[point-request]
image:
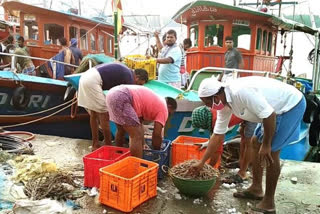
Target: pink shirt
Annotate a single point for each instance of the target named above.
(148, 105)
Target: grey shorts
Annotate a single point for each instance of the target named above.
(249, 128)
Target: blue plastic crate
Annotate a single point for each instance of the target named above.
(161, 156)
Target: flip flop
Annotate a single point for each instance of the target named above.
(236, 179)
(256, 210)
(247, 195)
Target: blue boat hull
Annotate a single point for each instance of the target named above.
(44, 94)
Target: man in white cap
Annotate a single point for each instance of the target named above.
(276, 106)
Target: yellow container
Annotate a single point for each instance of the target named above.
(140, 61)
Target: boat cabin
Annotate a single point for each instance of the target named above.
(42, 28)
(209, 23)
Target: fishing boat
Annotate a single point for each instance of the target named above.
(255, 34)
(43, 104)
(208, 24)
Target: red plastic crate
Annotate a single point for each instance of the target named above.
(183, 149)
(127, 183)
(101, 157)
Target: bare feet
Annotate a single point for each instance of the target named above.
(95, 146)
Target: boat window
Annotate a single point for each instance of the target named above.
(30, 27)
(110, 45)
(241, 36)
(269, 42)
(194, 31)
(73, 32)
(214, 35)
(101, 43)
(83, 39)
(258, 44)
(264, 42)
(52, 33)
(93, 42)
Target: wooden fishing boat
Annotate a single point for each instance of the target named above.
(255, 34)
(43, 104)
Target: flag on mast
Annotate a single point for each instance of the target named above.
(117, 7)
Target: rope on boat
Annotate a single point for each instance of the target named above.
(42, 118)
(39, 112)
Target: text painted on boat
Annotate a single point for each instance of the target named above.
(36, 101)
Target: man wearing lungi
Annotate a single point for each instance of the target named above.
(130, 105)
(90, 96)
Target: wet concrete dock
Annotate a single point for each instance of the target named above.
(302, 197)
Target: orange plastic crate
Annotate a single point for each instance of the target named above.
(127, 183)
(101, 157)
(183, 149)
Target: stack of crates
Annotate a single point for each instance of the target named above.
(140, 61)
(128, 183)
(101, 157)
(183, 149)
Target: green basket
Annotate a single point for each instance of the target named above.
(193, 188)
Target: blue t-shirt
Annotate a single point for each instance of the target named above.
(171, 72)
(113, 74)
(77, 54)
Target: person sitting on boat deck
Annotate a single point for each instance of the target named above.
(276, 106)
(68, 56)
(76, 51)
(131, 105)
(21, 45)
(205, 118)
(23, 65)
(90, 95)
(170, 61)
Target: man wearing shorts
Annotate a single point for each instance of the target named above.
(276, 106)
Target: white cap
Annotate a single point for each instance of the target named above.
(209, 87)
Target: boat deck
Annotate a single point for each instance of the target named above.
(302, 197)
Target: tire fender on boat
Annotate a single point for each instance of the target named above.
(69, 93)
(20, 98)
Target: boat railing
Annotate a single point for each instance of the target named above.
(235, 73)
(54, 62)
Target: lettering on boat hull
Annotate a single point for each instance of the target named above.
(36, 101)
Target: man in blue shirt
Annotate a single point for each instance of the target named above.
(170, 61)
(76, 51)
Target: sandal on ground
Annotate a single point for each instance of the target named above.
(256, 210)
(247, 195)
(236, 179)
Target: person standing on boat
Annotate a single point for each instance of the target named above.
(90, 94)
(68, 56)
(170, 61)
(23, 65)
(76, 51)
(232, 59)
(276, 106)
(130, 105)
(187, 43)
(22, 46)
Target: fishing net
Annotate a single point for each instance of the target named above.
(59, 185)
